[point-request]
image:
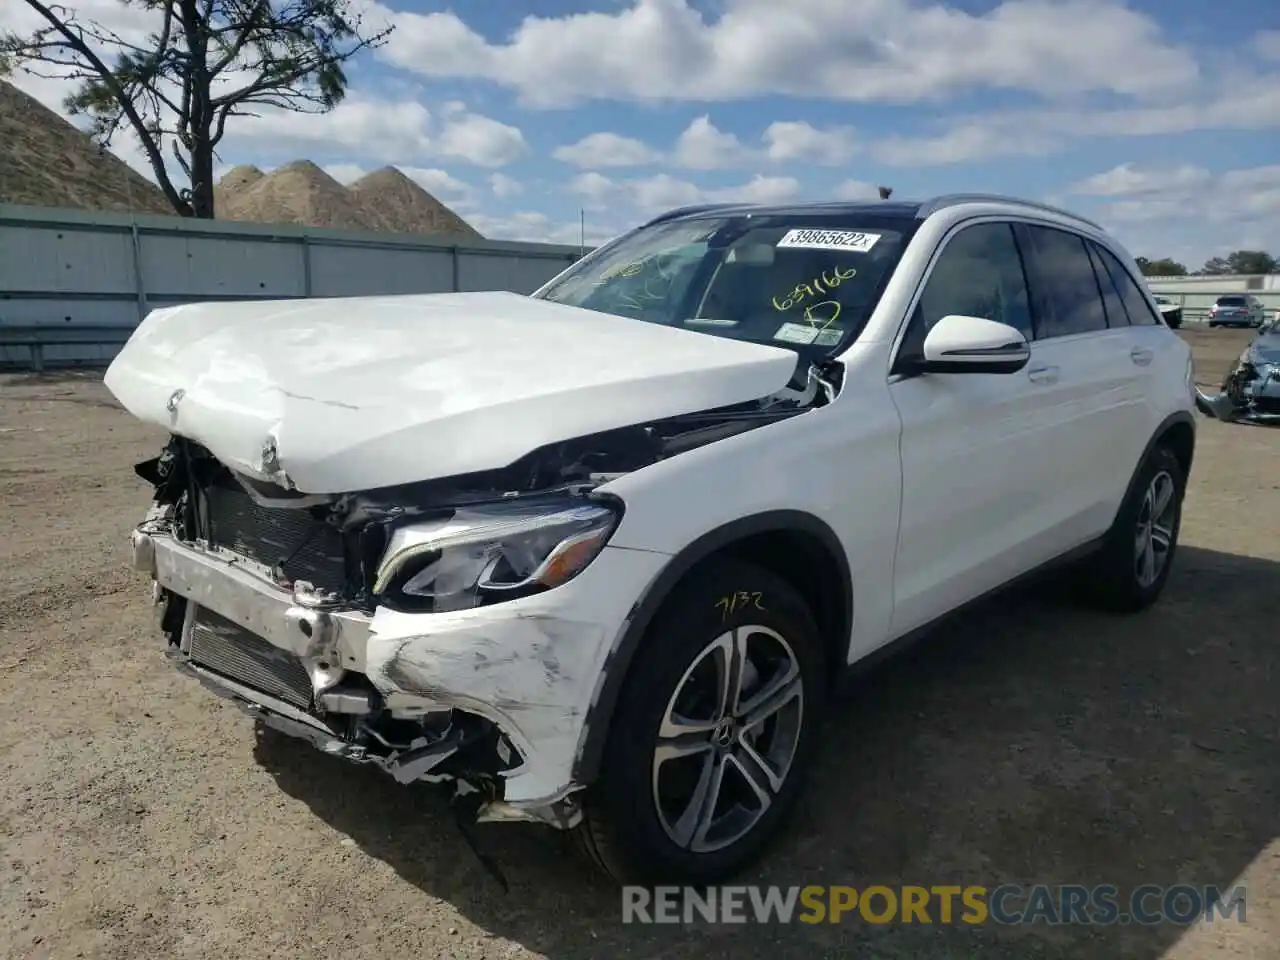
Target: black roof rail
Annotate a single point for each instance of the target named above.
(693, 208)
(933, 205)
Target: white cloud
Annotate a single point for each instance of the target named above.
(1127, 180)
(795, 141)
(1267, 44)
(130, 23)
(390, 131)
(438, 182)
(345, 173)
(759, 189)
(1185, 193)
(481, 140)
(875, 50)
(662, 191)
(504, 186)
(594, 188)
(1239, 102)
(1187, 212)
(703, 146)
(607, 150)
(395, 131)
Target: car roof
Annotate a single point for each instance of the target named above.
(904, 209)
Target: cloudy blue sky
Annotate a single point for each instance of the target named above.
(1160, 118)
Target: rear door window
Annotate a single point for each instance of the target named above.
(1068, 298)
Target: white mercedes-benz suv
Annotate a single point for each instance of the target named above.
(597, 556)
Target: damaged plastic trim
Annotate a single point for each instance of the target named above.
(1250, 393)
(427, 762)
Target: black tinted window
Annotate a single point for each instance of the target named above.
(1117, 315)
(978, 274)
(1067, 291)
(1231, 301)
(1140, 312)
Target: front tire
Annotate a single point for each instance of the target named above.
(1128, 574)
(712, 733)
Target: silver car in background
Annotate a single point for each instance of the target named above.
(1236, 310)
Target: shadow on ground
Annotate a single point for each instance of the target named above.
(1029, 742)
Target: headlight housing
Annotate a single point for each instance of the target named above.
(492, 552)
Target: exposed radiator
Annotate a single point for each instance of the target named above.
(227, 648)
(309, 549)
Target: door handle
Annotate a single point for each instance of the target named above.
(1141, 356)
(1043, 375)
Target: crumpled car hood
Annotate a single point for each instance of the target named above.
(339, 395)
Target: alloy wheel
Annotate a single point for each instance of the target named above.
(1153, 537)
(727, 739)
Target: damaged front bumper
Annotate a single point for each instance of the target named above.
(1245, 400)
(494, 699)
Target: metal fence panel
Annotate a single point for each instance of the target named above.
(354, 271)
(65, 273)
(191, 268)
(65, 261)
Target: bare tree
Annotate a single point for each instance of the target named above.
(206, 62)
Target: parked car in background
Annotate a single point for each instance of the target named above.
(1236, 310)
(596, 556)
(1251, 389)
(1172, 312)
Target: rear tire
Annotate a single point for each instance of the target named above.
(1129, 572)
(730, 626)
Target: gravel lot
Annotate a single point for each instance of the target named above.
(1031, 742)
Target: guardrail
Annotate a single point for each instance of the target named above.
(35, 339)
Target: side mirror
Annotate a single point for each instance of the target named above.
(960, 344)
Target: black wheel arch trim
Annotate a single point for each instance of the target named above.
(1173, 419)
(600, 715)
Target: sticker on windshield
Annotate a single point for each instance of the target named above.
(828, 337)
(849, 240)
(796, 333)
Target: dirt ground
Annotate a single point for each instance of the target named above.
(1032, 742)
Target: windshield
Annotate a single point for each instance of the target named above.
(1231, 301)
(807, 282)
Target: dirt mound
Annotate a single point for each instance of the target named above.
(299, 193)
(397, 204)
(46, 162)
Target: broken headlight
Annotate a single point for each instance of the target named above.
(491, 552)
